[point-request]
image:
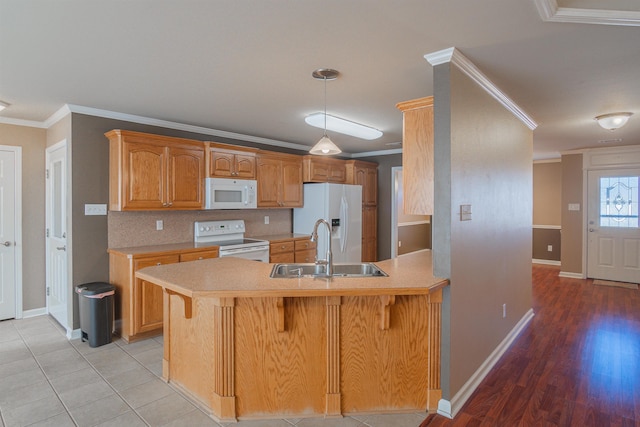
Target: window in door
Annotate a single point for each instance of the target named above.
(619, 201)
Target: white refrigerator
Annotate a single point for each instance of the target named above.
(341, 206)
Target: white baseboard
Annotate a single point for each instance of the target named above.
(35, 312)
(74, 334)
(545, 262)
(448, 408)
(570, 275)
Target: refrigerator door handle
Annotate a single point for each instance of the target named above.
(344, 223)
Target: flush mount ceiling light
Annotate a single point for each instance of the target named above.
(347, 127)
(3, 105)
(325, 147)
(613, 121)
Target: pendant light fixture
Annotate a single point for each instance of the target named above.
(325, 147)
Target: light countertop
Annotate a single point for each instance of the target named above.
(409, 274)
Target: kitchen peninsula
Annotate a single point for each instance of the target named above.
(246, 346)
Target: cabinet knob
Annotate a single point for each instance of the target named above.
(282, 247)
(159, 263)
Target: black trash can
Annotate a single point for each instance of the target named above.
(95, 302)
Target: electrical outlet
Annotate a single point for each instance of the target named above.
(549, 248)
(95, 209)
(465, 212)
(266, 219)
(159, 224)
(504, 311)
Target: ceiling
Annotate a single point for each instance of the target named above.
(245, 66)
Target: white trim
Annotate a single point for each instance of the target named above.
(34, 312)
(570, 275)
(550, 12)
(20, 122)
(74, 334)
(456, 57)
(67, 109)
(377, 153)
(545, 262)
(547, 227)
(554, 160)
(405, 224)
(17, 221)
(394, 211)
(450, 408)
(79, 109)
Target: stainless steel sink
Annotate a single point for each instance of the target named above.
(366, 269)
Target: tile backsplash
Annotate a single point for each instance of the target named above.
(126, 229)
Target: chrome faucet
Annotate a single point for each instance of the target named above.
(314, 238)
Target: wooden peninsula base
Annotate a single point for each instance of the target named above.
(325, 354)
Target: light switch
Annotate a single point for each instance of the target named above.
(465, 212)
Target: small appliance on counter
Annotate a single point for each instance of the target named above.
(341, 206)
(229, 236)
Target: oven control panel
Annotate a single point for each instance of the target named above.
(218, 228)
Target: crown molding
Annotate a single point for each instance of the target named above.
(454, 56)
(67, 109)
(20, 122)
(550, 12)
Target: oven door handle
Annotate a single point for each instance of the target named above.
(244, 250)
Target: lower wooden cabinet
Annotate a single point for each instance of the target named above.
(138, 303)
(300, 249)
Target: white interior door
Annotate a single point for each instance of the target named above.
(613, 247)
(8, 237)
(57, 267)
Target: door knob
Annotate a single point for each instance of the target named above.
(591, 230)
(7, 243)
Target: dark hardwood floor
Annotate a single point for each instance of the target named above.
(576, 364)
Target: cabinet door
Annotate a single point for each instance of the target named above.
(144, 176)
(221, 164)
(291, 187)
(268, 171)
(147, 297)
(186, 178)
(245, 166)
(338, 173)
(369, 233)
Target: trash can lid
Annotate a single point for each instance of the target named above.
(94, 288)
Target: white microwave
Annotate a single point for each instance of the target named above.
(227, 193)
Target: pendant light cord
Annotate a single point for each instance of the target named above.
(325, 105)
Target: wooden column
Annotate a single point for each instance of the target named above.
(434, 393)
(333, 357)
(224, 399)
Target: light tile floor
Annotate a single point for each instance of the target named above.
(47, 380)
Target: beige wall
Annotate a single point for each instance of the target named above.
(547, 193)
(483, 157)
(571, 252)
(32, 141)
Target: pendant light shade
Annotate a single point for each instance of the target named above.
(325, 147)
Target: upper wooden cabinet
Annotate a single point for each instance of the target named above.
(417, 156)
(324, 169)
(365, 174)
(279, 178)
(229, 161)
(151, 172)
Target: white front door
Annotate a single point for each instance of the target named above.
(613, 248)
(57, 270)
(8, 216)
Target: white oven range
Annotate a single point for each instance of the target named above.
(229, 236)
